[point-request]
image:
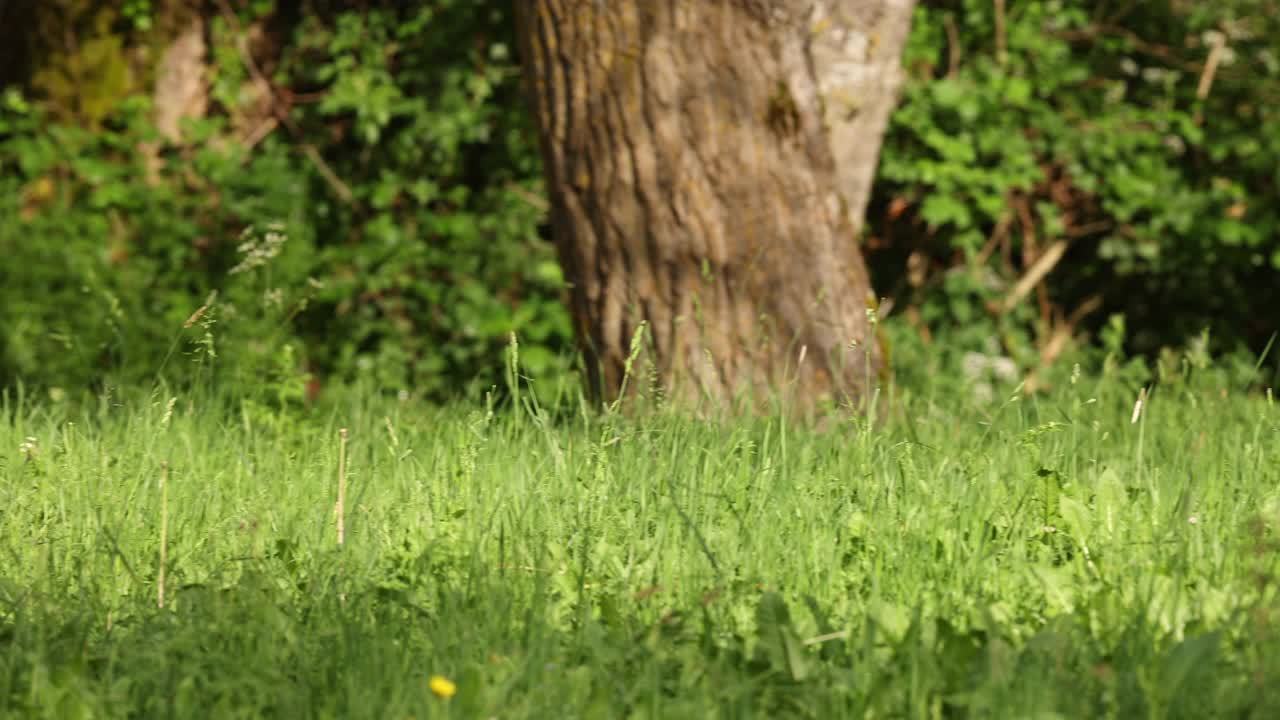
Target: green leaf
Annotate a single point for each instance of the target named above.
(1076, 516)
(778, 641)
(940, 210)
(1191, 656)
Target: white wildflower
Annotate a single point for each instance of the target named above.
(1004, 368)
(259, 250)
(974, 365)
(273, 298)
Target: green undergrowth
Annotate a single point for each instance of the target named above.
(1028, 557)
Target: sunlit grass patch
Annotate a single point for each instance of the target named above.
(1033, 555)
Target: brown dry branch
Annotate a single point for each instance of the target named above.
(1043, 264)
(1002, 41)
(1217, 48)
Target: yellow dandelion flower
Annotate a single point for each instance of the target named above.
(442, 686)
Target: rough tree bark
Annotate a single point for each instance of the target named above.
(708, 164)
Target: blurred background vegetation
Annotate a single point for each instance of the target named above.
(306, 192)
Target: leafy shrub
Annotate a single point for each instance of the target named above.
(1107, 127)
(404, 179)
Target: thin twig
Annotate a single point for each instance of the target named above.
(1041, 267)
(1092, 228)
(281, 114)
(840, 635)
(998, 236)
(1002, 42)
(1219, 45)
(1156, 50)
(260, 133)
(1086, 308)
(536, 201)
(1062, 334)
(953, 44)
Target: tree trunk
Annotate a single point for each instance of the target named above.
(182, 87)
(688, 153)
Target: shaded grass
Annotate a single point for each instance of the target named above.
(1032, 558)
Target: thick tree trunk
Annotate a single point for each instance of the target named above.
(689, 160)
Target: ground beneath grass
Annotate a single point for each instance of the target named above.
(1046, 557)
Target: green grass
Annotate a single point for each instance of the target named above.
(1033, 558)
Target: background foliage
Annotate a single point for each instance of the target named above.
(1113, 128)
(388, 143)
(402, 176)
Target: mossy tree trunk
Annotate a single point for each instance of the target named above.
(708, 164)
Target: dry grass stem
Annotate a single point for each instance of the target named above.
(164, 532)
(342, 485)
